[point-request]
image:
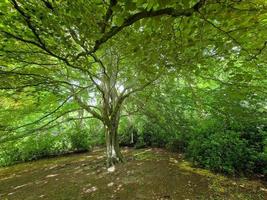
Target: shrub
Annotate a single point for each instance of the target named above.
(44, 145)
(36, 147)
(126, 135)
(222, 152)
(177, 145)
(261, 159)
(9, 155)
(152, 135)
(80, 140)
(140, 143)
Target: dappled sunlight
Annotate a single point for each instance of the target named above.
(111, 169)
(110, 184)
(99, 157)
(21, 186)
(51, 175)
(152, 174)
(173, 160)
(89, 190)
(133, 100)
(41, 182)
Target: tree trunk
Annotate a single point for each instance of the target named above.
(114, 155)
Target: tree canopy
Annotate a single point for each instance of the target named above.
(65, 61)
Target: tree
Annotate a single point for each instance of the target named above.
(92, 56)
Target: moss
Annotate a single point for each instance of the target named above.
(185, 165)
(221, 185)
(144, 154)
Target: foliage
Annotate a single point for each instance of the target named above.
(226, 152)
(45, 145)
(32, 148)
(128, 136)
(79, 140)
(178, 144)
(153, 136)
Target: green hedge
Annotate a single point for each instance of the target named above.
(226, 152)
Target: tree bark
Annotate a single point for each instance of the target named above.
(114, 155)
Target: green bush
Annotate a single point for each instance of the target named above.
(9, 155)
(223, 152)
(261, 160)
(256, 138)
(152, 136)
(140, 143)
(44, 145)
(236, 149)
(36, 147)
(177, 145)
(125, 136)
(80, 140)
(30, 148)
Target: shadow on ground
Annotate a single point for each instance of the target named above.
(147, 174)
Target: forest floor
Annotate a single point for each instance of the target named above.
(147, 174)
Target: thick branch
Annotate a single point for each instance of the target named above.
(49, 80)
(40, 43)
(108, 15)
(123, 96)
(88, 108)
(142, 15)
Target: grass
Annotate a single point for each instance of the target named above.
(147, 174)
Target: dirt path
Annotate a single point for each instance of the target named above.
(148, 174)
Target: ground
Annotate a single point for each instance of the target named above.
(147, 174)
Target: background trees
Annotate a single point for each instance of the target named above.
(176, 64)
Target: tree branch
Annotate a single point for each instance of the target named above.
(40, 42)
(108, 15)
(226, 33)
(142, 15)
(33, 131)
(88, 108)
(43, 117)
(49, 79)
